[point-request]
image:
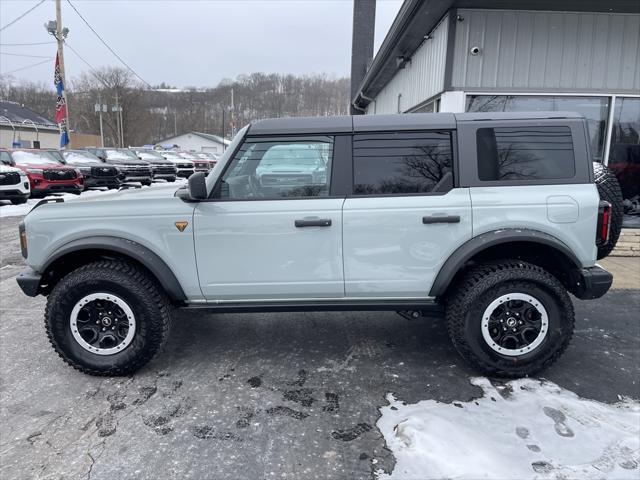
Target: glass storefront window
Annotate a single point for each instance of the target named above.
(594, 109)
(624, 155)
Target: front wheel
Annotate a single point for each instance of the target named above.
(107, 318)
(510, 318)
(18, 201)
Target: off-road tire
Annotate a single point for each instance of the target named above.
(18, 201)
(609, 190)
(484, 283)
(150, 304)
(147, 183)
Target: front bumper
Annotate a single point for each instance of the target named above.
(29, 281)
(185, 173)
(13, 194)
(101, 182)
(57, 188)
(590, 283)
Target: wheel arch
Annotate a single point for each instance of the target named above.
(86, 250)
(528, 245)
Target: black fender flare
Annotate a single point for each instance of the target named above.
(486, 240)
(129, 248)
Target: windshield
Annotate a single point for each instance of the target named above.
(172, 155)
(224, 158)
(149, 155)
(56, 155)
(120, 154)
(80, 157)
(282, 155)
(22, 157)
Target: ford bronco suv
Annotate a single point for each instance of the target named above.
(492, 219)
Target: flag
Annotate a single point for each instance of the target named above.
(61, 105)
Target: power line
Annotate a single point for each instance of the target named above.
(91, 68)
(24, 55)
(23, 15)
(106, 45)
(24, 44)
(28, 66)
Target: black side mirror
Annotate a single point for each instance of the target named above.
(198, 186)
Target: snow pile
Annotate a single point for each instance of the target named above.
(526, 430)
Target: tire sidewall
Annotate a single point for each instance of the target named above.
(71, 290)
(555, 337)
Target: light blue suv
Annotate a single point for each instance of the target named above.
(490, 218)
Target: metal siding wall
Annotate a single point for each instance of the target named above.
(548, 51)
(422, 78)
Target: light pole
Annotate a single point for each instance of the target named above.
(99, 108)
(13, 141)
(118, 110)
(37, 133)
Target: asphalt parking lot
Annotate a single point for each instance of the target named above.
(263, 395)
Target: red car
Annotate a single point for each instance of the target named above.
(46, 174)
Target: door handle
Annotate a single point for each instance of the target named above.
(316, 222)
(441, 219)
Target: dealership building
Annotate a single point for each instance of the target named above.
(487, 56)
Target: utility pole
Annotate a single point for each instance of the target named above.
(55, 28)
(117, 109)
(99, 108)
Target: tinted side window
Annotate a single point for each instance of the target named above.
(271, 168)
(525, 153)
(402, 163)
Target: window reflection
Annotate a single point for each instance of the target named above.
(624, 155)
(594, 109)
(525, 153)
(402, 163)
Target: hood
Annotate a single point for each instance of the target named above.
(7, 169)
(44, 166)
(118, 161)
(130, 194)
(293, 168)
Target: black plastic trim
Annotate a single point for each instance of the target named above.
(320, 306)
(463, 254)
(29, 281)
(592, 282)
(138, 252)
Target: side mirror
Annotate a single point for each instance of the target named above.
(198, 186)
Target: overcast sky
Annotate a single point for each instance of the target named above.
(190, 42)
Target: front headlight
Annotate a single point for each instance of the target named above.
(37, 171)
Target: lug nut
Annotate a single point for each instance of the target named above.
(514, 329)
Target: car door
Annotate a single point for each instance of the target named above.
(276, 231)
(405, 216)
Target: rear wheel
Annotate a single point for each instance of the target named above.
(609, 190)
(510, 318)
(107, 318)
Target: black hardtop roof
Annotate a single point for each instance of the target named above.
(394, 122)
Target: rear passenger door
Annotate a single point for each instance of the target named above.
(405, 215)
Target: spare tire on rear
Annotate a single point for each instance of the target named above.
(609, 190)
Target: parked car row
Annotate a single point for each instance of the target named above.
(28, 173)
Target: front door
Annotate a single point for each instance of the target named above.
(275, 233)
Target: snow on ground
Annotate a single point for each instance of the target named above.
(9, 210)
(525, 429)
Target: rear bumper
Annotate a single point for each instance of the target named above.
(590, 283)
(29, 281)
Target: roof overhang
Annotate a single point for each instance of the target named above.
(417, 18)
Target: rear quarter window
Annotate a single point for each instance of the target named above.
(402, 163)
(525, 153)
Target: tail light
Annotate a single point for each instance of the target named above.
(604, 223)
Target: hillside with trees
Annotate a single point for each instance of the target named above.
(150, 115)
